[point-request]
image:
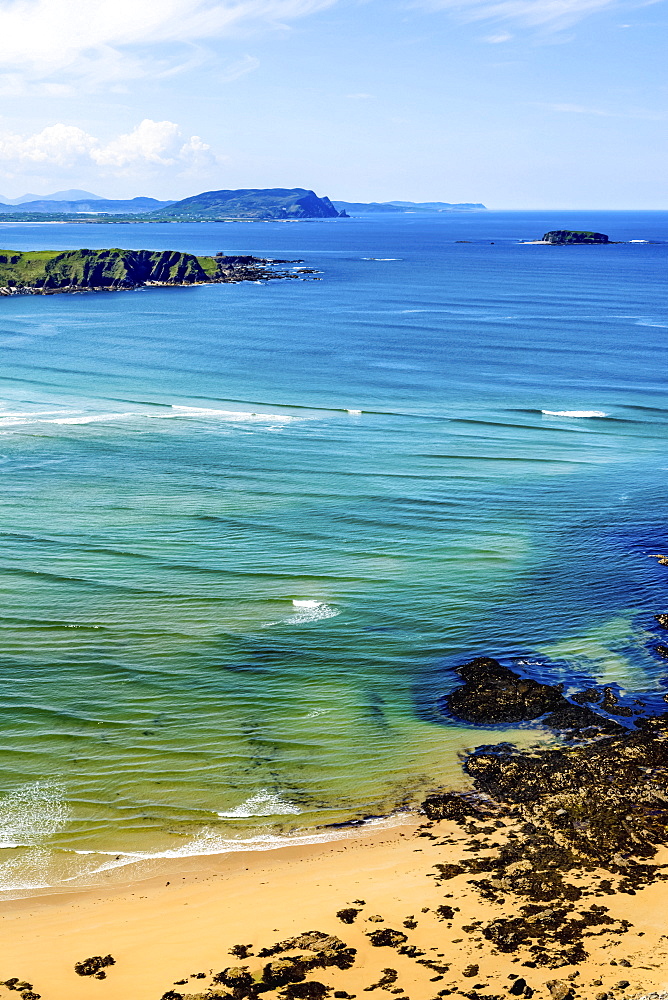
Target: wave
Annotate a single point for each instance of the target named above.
(31, 814)
(208, 843)
(311, 611)
(234, 415)
(263, 803)
(575, 413)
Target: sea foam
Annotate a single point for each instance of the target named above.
(31, 814)
(574, 413)
(310, 611)
(263, 803)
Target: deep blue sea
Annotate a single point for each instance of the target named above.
(247, 531)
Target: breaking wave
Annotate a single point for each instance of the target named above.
(32, 814)
(575, 413)
(263, 803)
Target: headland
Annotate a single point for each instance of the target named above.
(45, 272)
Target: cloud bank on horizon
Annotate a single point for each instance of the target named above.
(361, 99)
(148, 146)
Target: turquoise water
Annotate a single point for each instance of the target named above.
(247, 531)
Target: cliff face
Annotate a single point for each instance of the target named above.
(99, 268)
(251, 203)
(574, 236)
(80, 270)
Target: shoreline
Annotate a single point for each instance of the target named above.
(167, 930)
(547, 879)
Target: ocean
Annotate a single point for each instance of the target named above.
(248, 531)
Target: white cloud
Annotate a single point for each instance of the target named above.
(532, 13)
(105, 41)
(150, 147)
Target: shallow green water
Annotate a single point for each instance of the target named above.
(247, 532)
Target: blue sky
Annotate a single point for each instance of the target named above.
(515, 103)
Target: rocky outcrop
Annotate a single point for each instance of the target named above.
(494, 694)
(574, 236)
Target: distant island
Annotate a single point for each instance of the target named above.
(45, 272)
(262, 204)
(562, 236)
(362, 208)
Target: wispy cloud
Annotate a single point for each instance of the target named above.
(100, 41)
(498, 38)
(531, 13)
(581, 109)
(149, 148)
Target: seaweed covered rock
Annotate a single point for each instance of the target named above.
(94, 966)
(387, 938)
(453, 805)
(494, 694)
(605, 800)
(283, 971)
(322, 950)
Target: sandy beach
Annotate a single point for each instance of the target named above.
(171, 933)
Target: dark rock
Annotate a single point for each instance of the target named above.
(611, 704)
(241, 950)
(388, 978)
(518, 987)
(327, 950)
(492, 693)
(662, 620)
(559, 989)
(590, 694)
(445, 912)
(451, 805)
(470, 971)
(305, 991)
(446, 872)
(237, 977)
(387, 938)
(283, 971)
(91, 966)
(347, 915)
(604, 799)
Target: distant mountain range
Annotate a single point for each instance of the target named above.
(90, 205)
(210, 206)
(361, 207)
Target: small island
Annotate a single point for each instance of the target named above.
(45, 272)
(565, 236)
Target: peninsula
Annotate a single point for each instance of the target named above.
(43, 272)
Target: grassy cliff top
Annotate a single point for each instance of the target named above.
(71, 270)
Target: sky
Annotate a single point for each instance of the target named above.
(518, 104)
